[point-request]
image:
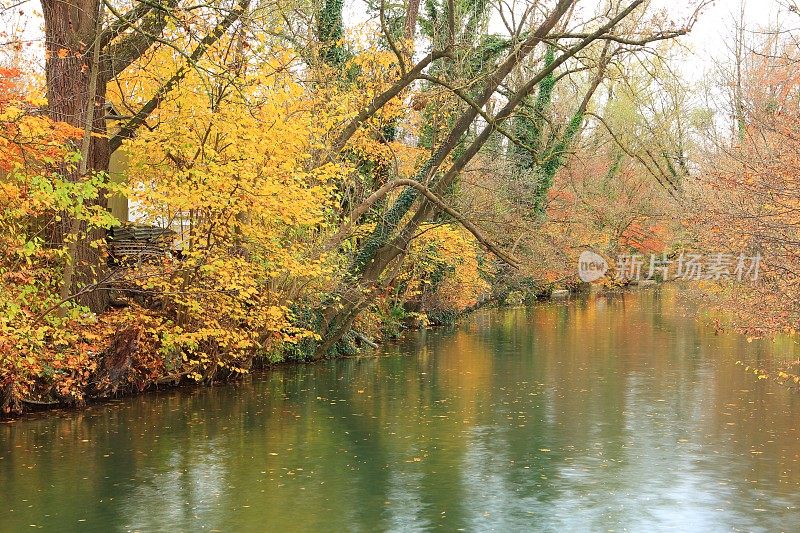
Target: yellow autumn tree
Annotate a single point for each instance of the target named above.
(230, 171)
(445, 274)
(44, 348)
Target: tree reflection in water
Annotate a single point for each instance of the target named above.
(604, 413)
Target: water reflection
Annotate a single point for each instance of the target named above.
(605, 414)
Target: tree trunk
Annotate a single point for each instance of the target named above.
(70, 30)
(380, 248)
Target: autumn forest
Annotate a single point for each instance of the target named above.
(447, 264)
(192, 191)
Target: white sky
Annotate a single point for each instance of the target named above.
(713, 30)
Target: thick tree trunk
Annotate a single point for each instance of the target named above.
(70, 30)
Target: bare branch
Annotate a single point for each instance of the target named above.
(120, 54)
(382, 99)
(124, 22)
(365, 206)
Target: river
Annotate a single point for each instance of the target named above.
(618, 413)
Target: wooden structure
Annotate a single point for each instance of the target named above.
(138, 242)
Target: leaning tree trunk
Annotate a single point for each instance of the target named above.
(381, 248)
(70, 31)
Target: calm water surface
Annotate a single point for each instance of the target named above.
(616, 414)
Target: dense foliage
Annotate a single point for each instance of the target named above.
(321, 186)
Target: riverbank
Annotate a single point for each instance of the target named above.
(120, 370)
(131, 363)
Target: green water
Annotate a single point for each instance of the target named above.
(607, 414)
